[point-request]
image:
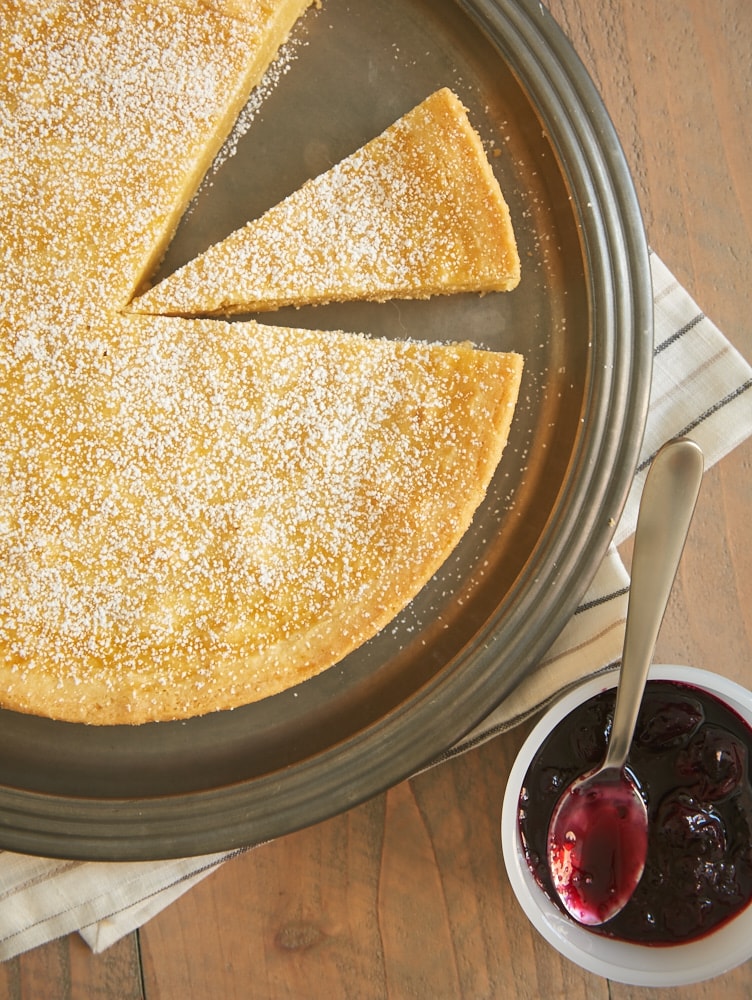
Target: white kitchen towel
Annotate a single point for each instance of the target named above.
(701, 387)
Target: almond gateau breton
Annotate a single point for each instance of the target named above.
(194, 514)
(415, 212)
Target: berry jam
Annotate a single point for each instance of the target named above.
(689, 758)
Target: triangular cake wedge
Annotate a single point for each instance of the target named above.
(415, 212)
(206, 513)
(110, 114)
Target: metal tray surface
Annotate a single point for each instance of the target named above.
(582, 316)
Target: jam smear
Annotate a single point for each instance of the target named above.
(690, 759)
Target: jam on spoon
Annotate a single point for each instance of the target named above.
(597, 839)
(598, 849)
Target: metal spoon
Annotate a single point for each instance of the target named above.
(598, 832)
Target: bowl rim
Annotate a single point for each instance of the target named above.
(621, 961)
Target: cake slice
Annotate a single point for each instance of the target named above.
(199, 514)
(110, 114)
(415, 212)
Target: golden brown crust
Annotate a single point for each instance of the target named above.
(413, 213)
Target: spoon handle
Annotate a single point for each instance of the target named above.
(666, 508)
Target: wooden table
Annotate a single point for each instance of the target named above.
(406, 896)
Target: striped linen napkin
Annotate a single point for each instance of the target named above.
(701, 388)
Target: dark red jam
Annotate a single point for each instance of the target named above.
(690, 759)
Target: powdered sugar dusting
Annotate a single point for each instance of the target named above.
(109, 125)
(260, 94)
(415, 212)
(170, 511)
(193, 514)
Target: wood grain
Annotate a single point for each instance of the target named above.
(67, 970)
(406, 895)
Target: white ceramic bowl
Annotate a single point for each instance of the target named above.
(639, 965)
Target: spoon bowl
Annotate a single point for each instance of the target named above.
(598, 844)
(598, 833)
